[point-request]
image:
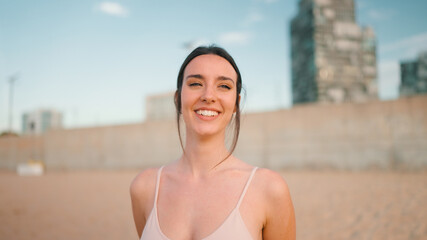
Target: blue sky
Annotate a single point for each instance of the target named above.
(96, 61)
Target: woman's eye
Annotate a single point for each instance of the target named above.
(195, 84)
(225, 86)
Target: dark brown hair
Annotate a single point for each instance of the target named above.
(214, 50)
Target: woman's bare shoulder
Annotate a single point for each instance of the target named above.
(273, 186)
(143, 185)
(142, 191)
(279, 213)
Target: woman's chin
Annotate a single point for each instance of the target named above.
(206, 133)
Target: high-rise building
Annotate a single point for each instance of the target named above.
(413, 76)
(40, 121)
(333, 58)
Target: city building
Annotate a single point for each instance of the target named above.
(40, 121)
(413, 76)
(160, 106)
(333, 58)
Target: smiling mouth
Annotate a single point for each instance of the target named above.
(207, 113)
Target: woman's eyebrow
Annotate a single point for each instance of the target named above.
(198, 76)
(195, 76)
(225, 78)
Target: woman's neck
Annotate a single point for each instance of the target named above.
(201, 155)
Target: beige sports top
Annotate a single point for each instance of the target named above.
(232, 228)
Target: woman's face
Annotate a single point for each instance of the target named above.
(208, 95)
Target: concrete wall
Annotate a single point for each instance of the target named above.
(15, 150)
(384, 135)
(127, 146)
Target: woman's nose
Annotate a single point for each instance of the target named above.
(208, 95)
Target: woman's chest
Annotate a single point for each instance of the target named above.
(194, 212)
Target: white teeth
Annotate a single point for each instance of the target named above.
(207, 113)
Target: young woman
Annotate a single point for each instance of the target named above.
(208, 193)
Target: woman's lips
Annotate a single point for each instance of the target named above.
(207, 114)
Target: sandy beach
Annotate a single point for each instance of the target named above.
(329, 205)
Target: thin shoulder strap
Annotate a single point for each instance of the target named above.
(159, 172)
(246, 187)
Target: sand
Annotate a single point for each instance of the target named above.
(329, 205)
